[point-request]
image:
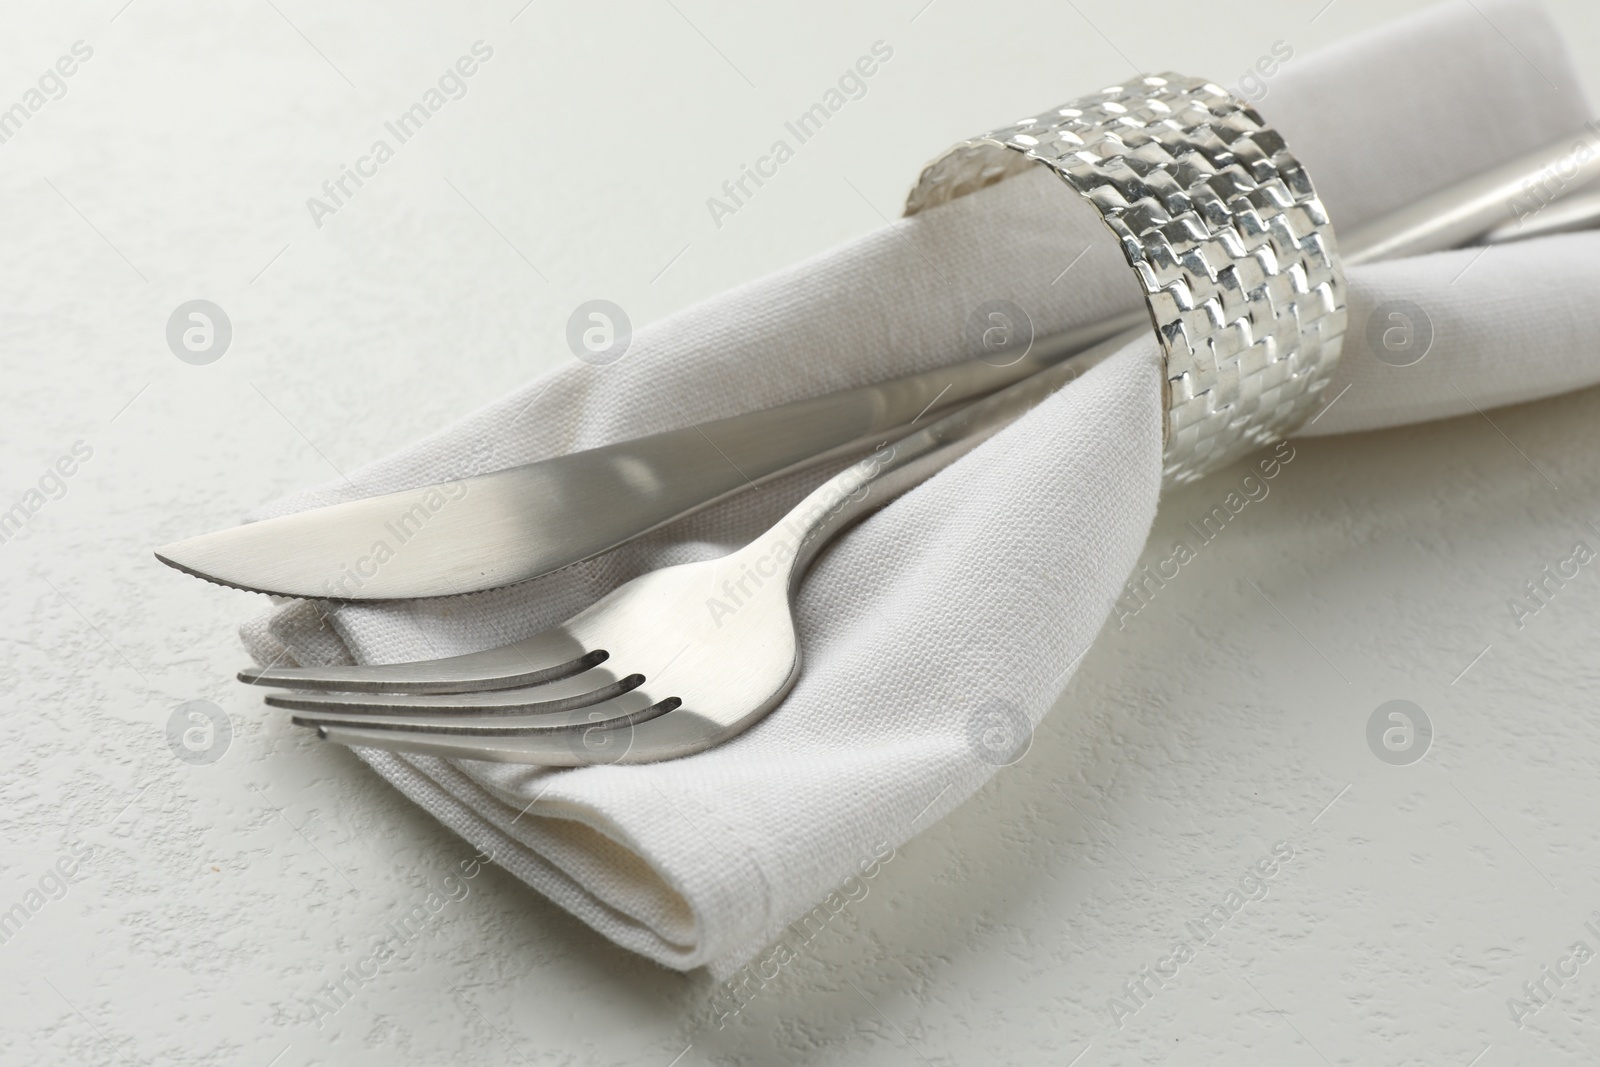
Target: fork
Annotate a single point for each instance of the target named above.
(673, 662)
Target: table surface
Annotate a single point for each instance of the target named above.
(1408, 903)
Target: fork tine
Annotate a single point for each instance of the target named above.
(544, 657)
(601, 715)
(591, 735)
(661, 730)
(579, 691)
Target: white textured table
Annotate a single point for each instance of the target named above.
(207, 906)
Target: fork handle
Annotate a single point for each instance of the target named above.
(897, 466)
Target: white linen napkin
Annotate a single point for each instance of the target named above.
(965, 604)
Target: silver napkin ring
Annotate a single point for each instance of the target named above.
(1227, 236)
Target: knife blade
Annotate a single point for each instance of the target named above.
(512, 525)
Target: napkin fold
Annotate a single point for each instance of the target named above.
(950, 620)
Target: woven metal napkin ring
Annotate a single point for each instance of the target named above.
(1225, 232)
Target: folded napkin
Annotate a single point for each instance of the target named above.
(961, 609)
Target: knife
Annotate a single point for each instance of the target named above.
(513, 525)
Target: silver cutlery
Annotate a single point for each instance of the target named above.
(672, 662)
(658, 668)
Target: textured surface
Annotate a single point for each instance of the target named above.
(1226, 234)
(220, 898)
